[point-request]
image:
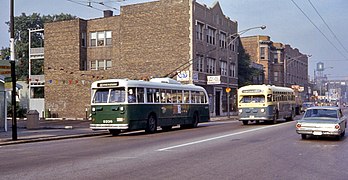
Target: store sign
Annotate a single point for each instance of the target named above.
(213, 79)
(183, 76)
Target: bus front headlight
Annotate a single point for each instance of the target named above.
(93, 109)
(240, 110)
(262, 110)
(121, 108)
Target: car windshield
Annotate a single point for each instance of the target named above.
(326, 113)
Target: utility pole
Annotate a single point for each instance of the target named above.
(13, 72)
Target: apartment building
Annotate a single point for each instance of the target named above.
(153, 39)
(283, 65)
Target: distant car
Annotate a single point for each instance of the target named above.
(306, 105)
(322, 121)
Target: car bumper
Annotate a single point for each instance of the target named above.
(319, 132)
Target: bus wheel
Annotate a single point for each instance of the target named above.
(151, 124)
(195, 121)
(245, 122)
(115, 132)
(166, 128)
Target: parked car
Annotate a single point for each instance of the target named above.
(306, 105)
(322, 121)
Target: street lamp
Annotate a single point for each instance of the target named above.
(237, 34)
(234, 37)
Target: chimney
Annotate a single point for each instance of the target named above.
(108, 13)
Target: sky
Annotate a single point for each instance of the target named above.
(318, 28)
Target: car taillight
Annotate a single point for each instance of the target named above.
(337, 126)
(298, 125)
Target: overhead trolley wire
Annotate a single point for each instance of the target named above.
(87, 5)
(319, 29)
(334, 35)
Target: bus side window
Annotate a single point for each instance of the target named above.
(269, 97)
(193, 93)
(158, 96)
(140, 95)
(179, 95)
(150, 95)
(202, 97)
(186, 97)
(169, 96)
(163, 95)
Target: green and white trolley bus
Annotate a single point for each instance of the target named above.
(265, 103)
(122, 105)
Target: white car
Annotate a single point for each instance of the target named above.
(322, 121)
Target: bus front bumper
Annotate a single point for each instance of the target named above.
(108, 126)
(253, 118)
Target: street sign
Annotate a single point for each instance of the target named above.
(5, 68)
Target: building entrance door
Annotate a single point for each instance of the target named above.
(217, 102)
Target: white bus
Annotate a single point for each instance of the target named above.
(122, 105)
(265, 103)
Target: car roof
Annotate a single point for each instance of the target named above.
(325, 107)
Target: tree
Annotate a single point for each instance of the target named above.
(21, 25)
(246, 72)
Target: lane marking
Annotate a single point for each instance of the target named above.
(219, 137)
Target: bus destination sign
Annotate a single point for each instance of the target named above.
(113, 84)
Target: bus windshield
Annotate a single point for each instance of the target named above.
(113, 95)
(253, 99)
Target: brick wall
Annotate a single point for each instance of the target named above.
(149, 39)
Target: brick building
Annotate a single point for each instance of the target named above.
(283, 65)
(152, 39)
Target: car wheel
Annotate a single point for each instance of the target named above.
(245, 122)
(303, 136)
(115, 132)
(151, 124)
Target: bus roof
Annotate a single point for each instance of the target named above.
(266, 87)
(165, 83)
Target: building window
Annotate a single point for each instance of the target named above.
(200, 63)
(276, 76)
(232, 69)
(222, 40)
(223, 68)
(83, 39)
(93, 39)
(275, 58)
(211, 36)
(101, 64)
(108, 39)
(199, 31)
(102, 38)
(262, 53)
(211, 66)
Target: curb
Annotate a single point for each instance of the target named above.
(22, 141)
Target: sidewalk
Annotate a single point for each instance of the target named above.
(59, 129)
(48, 130)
